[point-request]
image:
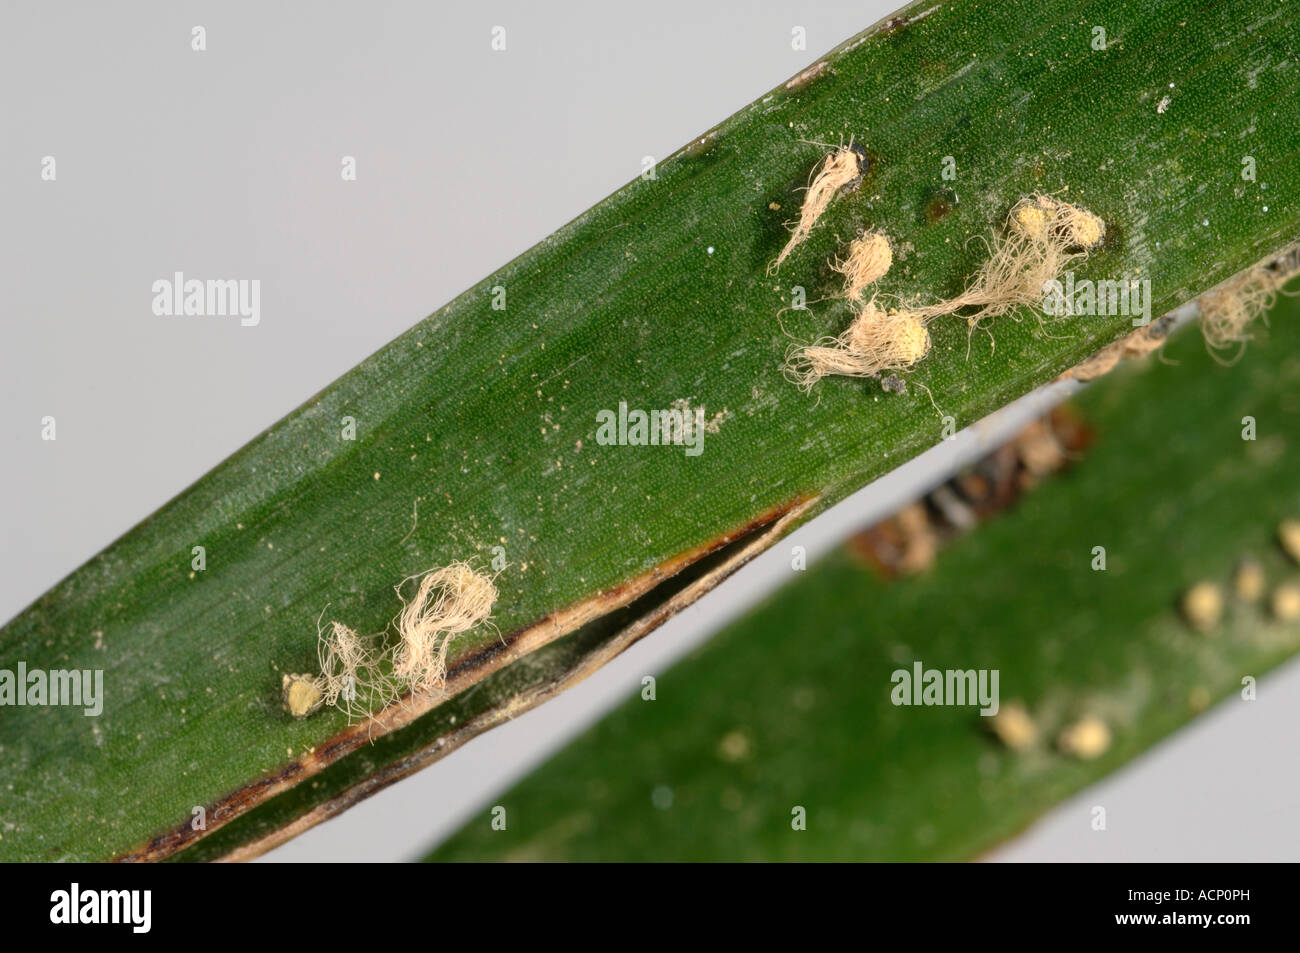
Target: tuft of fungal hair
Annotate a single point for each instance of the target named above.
(447, 602)
(842, 170)
(1042, 237)
(362, 674)
(875, 342)
(869, 258)
(353, 677)
(1228, 310)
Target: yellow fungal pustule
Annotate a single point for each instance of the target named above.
(1086, 739)
(1014, 727)
(302, 694)
(1079, 227)
(1285, 602)
(1045, 219)
(1248, 581)
(869, 258)
(842, 169)
(1203, 606)
(1030, 220)
(1288, 537)
(1043, 236)
(734, 746)
(875, 342)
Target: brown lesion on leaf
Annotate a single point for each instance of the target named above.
(1137, 343)
(893, 24)
(767, 527)
(909, 541)
(806, 76)
(939, 204)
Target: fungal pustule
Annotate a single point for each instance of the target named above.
(1030, 221)
(1202, 606)
(1288, 537)
(1285, 602)
(1043, 236)
(870, 257)
(302, 694)
(875, 342)
(1248, 581)
(1086, 739)
(842, 170)
(1014, 727)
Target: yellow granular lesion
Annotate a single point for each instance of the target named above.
(302, 694)
(1248, 581)
(1014, 727)
(1202, 606)
(1030, 219)
(1085, 739)
(1288, 538)
(1285, 602)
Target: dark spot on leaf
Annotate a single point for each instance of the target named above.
(939, 203)
(867, 162)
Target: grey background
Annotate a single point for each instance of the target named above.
(226, 163)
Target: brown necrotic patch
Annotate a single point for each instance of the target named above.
(908, 542)
(939, 204)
